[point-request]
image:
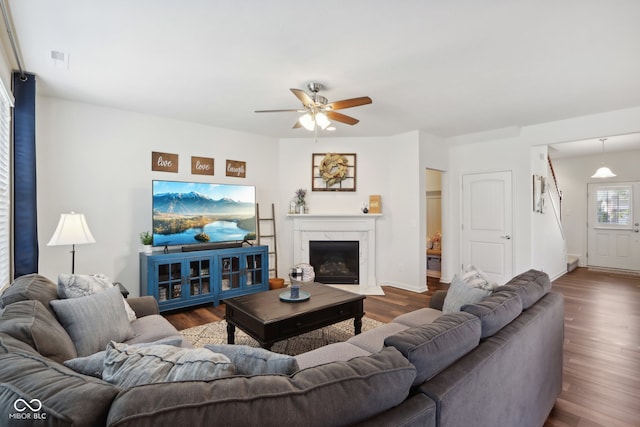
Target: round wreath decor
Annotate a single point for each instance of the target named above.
(333, 168)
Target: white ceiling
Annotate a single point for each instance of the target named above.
(446, 67)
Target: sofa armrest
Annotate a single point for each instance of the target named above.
(437, 300)
(144, 306)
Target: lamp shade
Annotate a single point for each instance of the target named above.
(603, 172)
(72, 230)
(322, 121)
(306, 120)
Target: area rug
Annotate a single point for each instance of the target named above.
(216, 333)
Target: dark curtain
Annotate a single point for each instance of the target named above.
(25, 240)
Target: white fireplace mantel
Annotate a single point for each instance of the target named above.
(357, 227)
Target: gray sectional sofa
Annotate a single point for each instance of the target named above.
(495, 363)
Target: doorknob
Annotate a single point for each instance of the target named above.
(506, 237)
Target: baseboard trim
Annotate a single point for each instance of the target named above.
(405, 287)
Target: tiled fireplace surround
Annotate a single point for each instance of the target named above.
(358, 227)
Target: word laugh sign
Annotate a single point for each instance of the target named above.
(236, 169)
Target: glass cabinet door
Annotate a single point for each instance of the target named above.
(230, 272)
(253, 270)
(200, 277)
(170, 281)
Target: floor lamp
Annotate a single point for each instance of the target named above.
(72, 230)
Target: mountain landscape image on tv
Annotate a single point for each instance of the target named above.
(188, 213)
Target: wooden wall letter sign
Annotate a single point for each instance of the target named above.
(201, 165)
(164, 162)
(375, 203)
(236, 168)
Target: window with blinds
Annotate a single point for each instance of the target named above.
(613, 205)
(5, 186)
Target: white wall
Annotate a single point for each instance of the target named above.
(573, 176)
(97, 161)
(548, 244)
(510, 150)
(386, 166)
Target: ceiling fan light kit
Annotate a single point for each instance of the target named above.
(603, 171)
(318, 112)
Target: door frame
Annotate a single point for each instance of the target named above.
(634, 245)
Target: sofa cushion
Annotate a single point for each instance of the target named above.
(94, 320)
(151, 328)
(496, 311)
(94, 363)
(373, 340)
(30, 287)
(81, 285)
(32, 323)
(461, 293)
(67, 398)
(256, 361)
(339, 393)
(418, 317)
(128, 366)
(338, 351)
(433, 347)
(531, 286)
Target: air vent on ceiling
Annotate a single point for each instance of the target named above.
(59, 59)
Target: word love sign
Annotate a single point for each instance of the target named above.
(236, 169)
(201, 165)
(164, 162)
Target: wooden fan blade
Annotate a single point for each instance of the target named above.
(302, 96)
(342, 118)
(297, 125)
(348, 103)
(278, 111)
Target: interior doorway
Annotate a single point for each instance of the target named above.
(434, 222)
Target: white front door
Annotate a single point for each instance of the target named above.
(487, 224)
(614, 225)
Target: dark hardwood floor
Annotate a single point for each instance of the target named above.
(601, 385)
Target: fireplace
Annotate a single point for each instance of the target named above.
(335, 261)
(338, 227)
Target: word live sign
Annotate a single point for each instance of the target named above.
(164, 162)
(236, 168)
(201, 165)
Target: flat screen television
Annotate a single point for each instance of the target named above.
(198, 213)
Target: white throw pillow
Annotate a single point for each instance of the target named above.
(476, 278)
(80, 285)
(461, 293)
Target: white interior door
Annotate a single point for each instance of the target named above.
(487, 212)
(613, 238)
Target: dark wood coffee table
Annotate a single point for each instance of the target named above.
(267, 319)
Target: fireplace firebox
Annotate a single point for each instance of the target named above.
(335, 261)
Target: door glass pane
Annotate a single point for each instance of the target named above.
(613, 206)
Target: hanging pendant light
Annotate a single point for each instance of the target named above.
(603, 171)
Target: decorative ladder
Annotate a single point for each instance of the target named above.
(270, 237)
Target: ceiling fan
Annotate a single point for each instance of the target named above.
(318, 112)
